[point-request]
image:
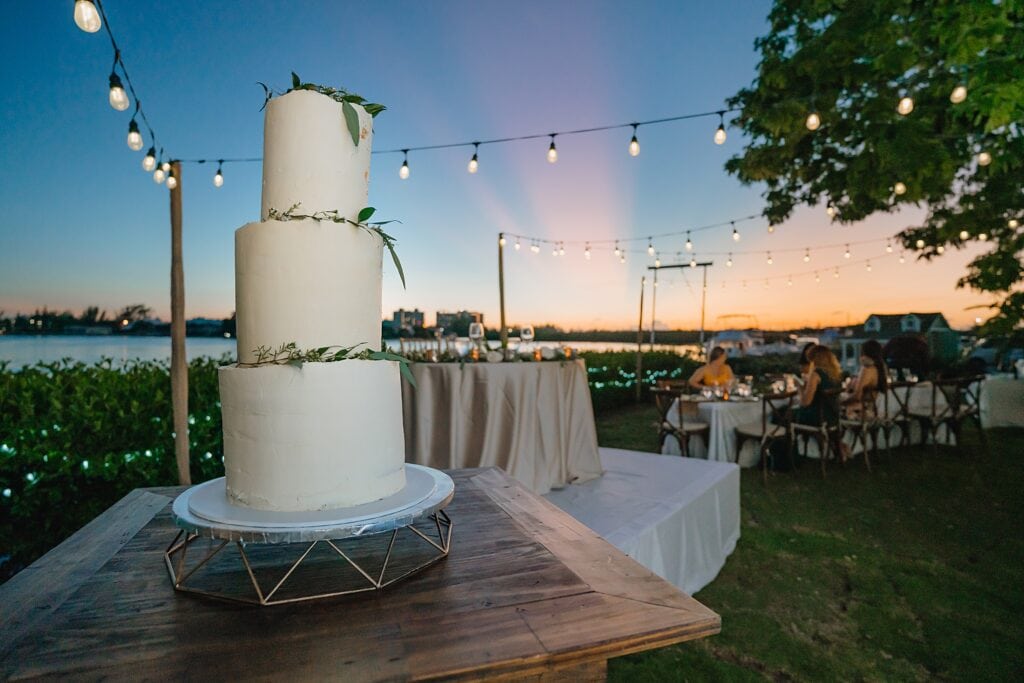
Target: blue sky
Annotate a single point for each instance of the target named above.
(82, 224)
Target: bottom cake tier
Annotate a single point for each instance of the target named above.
(315, 436)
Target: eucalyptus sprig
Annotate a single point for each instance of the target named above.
(290, 354)
(346, 98)
(335, 217)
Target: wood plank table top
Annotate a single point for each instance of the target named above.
(526, 591)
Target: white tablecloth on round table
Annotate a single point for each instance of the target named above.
(1002, 402)
(533, 420)
(724, 416)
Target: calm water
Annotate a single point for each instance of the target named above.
(20, 351)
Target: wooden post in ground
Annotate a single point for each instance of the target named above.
(503, 333)
(179, 364)
(640, 341)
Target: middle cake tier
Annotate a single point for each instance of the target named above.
(315, 283)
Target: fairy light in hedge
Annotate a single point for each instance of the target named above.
(134, 136)
(720, 131)
(984, 158)
(634, 144)
(552, 152)
(118, 97)
(905, 105)
(899, 188)
(86, 16)
(813, 121)
(149, 161)
(689, 244)
(7, 493)
(959, 94)
(403, 172)
(807, 255)
(218, 177)
(474, 163)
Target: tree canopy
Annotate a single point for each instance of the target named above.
(958, 152)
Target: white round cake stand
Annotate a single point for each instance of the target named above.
(417, 527)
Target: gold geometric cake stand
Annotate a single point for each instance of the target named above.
(267, 558)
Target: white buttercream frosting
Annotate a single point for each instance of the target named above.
(314, 437)
(309, 158)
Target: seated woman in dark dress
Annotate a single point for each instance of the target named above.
(823, 373)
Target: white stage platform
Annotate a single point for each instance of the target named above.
(679, 517)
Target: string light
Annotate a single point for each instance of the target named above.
(867, 266)
(920, 244)
(905, 105)
(899, 188)
(689, 244)
(888, 247)
(218, 177)
(618, 252)
(403, 172)
(634, 144)
(118, 97)
(535, 248)
(903, 259)
(813, 121)
(159, 175)
(984, 159)
(817, 277)
(771, 229)
(846, 254)
(836, 274)
(172, 182)
(720, 131)
(134, 136)
(1012, 224)
(766, 283)
(728, 262)
(807, 255)
(501, 241)
(940, 249)
(650, 247)
(86, 16)
(964, 234)
(561, 249)
(517, 245)
(735, 233)
(586, 252)
(693, 261)
(149, 161)
(770, 261)
(830, 210)
(554, 251)
(622, 258)
(958, 95)
(552, 152)
(474, 163)
(657, 262)
(165, 165)
(789, 282)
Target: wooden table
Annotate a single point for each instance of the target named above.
(526, 591)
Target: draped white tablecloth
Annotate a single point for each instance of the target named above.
(1002, 402)
(678, 517)
(533, 419)
(724, 416)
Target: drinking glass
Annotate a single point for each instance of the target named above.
(706, 392)
(476, 334)
(526, 333)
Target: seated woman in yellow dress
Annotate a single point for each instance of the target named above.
(713, 374)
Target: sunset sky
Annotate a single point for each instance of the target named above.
(83, 225)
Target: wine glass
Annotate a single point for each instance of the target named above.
(526, 336)
(476, 333)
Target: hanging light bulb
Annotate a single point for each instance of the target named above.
(720, 131)
(218, 177)
(86, 16)
(118, 97)
(847, 253)
(867, 266)
(634, 144)
(172, 182)
(899, 188)
(134, 136)
(940, 249)
(766, 283)
(693, 261)
(920, 244)
(618, 252)
(159, 175)
(165, 165)
(149, 161)
(403, 172)
(830, 210)
(771, 229)
(561, 249)
(728, 262)
(984, 159)
(657, 262)
(744, 284)
(735, 233)
(817, 278)
(905, 106)
(501, 240)
(586, 252)
(552, 152)
(964, 234)
(554, 251)
(958, 95)
(474, 164)
(836, 274)
(517, 244)
(770, 261)
(622, 258)
(983, 236)
(903, 259)
(813, 121)
(689, 244)
(807, 255)
(789, 282)
(535, 248)
(888, 247)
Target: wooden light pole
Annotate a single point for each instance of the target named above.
(703, 295)
(179, 364)
(503, 333)
(640, 340)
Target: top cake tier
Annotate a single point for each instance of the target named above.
(309, 158)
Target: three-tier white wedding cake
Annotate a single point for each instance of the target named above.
(312, 436)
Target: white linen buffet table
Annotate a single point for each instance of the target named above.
(534, 420)
(678, 517)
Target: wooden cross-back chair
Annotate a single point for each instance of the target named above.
(776, 425)
(953, 402)
(896, 412)
(862, 420)
(826, 434)
(667, 398)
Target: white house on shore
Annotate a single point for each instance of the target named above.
(882, 327)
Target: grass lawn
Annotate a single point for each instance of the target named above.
(914, 572)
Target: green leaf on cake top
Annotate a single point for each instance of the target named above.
(360, 222)
(291, 354)
(346, 98)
